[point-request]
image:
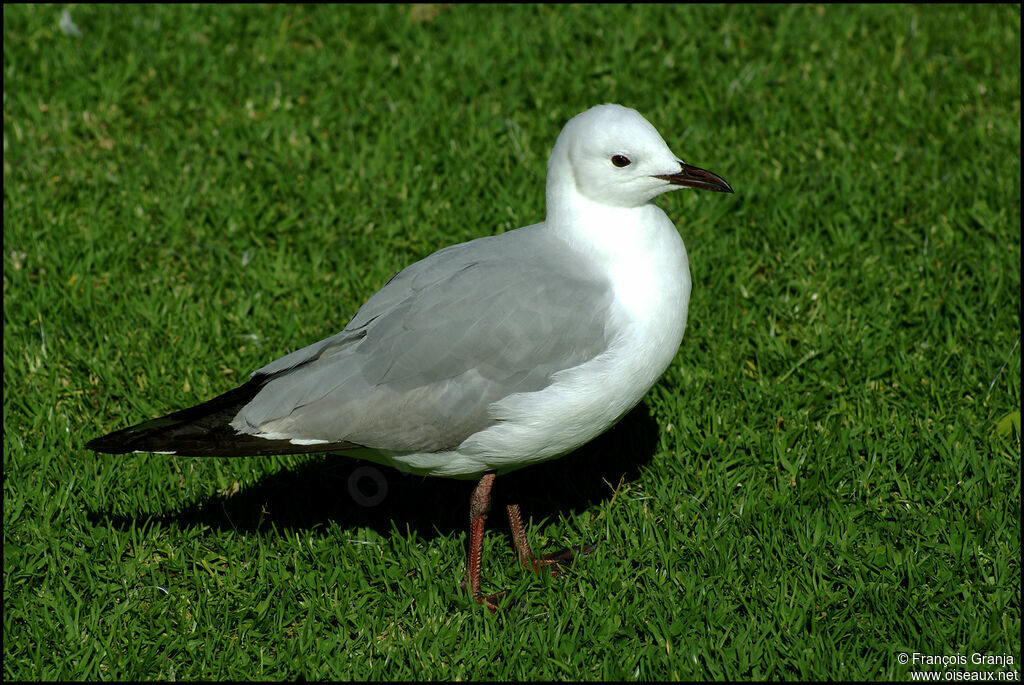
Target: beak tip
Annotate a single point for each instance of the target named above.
(695, 177)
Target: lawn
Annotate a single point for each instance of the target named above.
(827, 477)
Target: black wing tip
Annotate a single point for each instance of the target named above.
(105, 445)
(205, 431)
(188, 425)
(211, 445)
(118, 443)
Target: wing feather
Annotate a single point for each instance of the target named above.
(420, 363)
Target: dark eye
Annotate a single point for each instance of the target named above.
(620, 161)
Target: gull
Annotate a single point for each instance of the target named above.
(490, 355)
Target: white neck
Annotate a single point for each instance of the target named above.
(641, 251)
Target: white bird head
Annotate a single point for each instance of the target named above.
(611, 155)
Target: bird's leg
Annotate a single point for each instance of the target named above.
(479, 505)
(526, 557)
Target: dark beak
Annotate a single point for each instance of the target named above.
(695, 177)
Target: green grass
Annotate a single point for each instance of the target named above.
(828, 475)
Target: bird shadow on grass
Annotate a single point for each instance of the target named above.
(355, 493)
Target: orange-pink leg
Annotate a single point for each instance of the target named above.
(479, 505)
(526, 557)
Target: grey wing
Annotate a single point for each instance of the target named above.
(419, 364)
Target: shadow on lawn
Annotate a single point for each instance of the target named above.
(355, 493)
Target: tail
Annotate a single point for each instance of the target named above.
(205, 431)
